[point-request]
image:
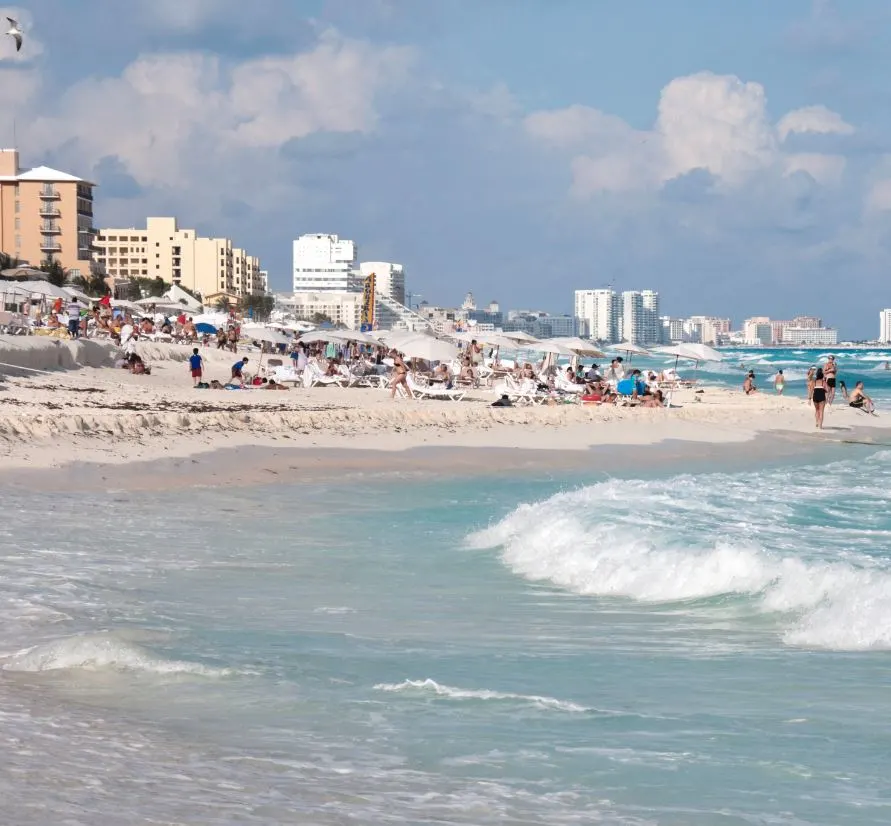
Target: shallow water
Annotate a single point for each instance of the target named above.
(685, 650)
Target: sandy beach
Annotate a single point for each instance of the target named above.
(79, 413)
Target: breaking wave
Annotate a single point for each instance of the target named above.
(756, 536)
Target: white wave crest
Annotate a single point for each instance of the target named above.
(669, 542)
(429, 686)
(93, 652)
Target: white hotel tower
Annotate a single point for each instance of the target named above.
(325, 263)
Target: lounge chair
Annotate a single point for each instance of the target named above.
(420, 391)
(313, 376)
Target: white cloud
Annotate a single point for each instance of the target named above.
(578, 125)
(714, 122)
(824, 169)
(188, 15)
(173, 118)
(816, 119)
(704, 121)
(878, 198)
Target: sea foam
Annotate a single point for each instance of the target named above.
(674, 542)
(93, 652)
(429, 686)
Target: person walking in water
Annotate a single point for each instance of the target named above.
(818, 397)
(779, 382)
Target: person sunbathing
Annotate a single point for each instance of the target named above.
(272, 384)
(653, 400)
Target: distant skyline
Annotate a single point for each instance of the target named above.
(726, 155)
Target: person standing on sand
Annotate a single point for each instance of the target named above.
(196, 365)
(810, 384)
(819, 397)
(779, 382)
(830, 372)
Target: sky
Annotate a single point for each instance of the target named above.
(736, 157)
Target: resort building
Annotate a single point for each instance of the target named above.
(340, 308)
(758, 330)
(325, 263)
(389, 279)
(598, 313)
(810, 336)
(885, 326)
(211, 267)
(45, 215)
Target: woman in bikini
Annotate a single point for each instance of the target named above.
(400, 376)
(818, 396)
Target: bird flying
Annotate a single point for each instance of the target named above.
(15, 32)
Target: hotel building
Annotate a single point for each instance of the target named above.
(212, 267)
(885, 326)
(45, 215)
(325, 263)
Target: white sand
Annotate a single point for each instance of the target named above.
(107, 415)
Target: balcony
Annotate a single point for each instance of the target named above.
(47, 211)
(50, 245)
(49, 194)
(51, 229)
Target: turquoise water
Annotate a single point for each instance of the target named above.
(707, 650)
(866, 365)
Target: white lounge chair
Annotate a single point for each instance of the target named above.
(420, 391)
(313, 376)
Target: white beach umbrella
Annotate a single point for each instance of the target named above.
(80, 296)
(258, 333)
(550, 346)
(427, 348)
(692, 352)
(577, 345)
(43, 288)
(519, 335)
(630, 349)
(10, 290)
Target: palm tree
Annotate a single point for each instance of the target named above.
(9, 262)
(56, 273)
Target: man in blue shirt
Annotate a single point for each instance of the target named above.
(237, 369)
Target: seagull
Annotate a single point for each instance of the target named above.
(15, 32)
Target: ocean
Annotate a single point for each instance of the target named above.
(866, 365)
(682, 650)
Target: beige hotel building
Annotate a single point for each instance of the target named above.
(212, 267)
(45, 215)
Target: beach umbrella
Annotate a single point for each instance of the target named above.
(630, 349)
(519, 335)
(427, 348)
(204, 327)
(692, 352)
(551, 346)
(257, 333)
(577, 345)
(43, 288)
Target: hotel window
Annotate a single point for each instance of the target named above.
(18, 241)
(18, 206)
(18, 223)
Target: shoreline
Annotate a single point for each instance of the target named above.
(109, 426)
(257, 466)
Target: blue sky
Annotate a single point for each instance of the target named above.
(734, 156)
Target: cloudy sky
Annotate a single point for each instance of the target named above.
(734, 156)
